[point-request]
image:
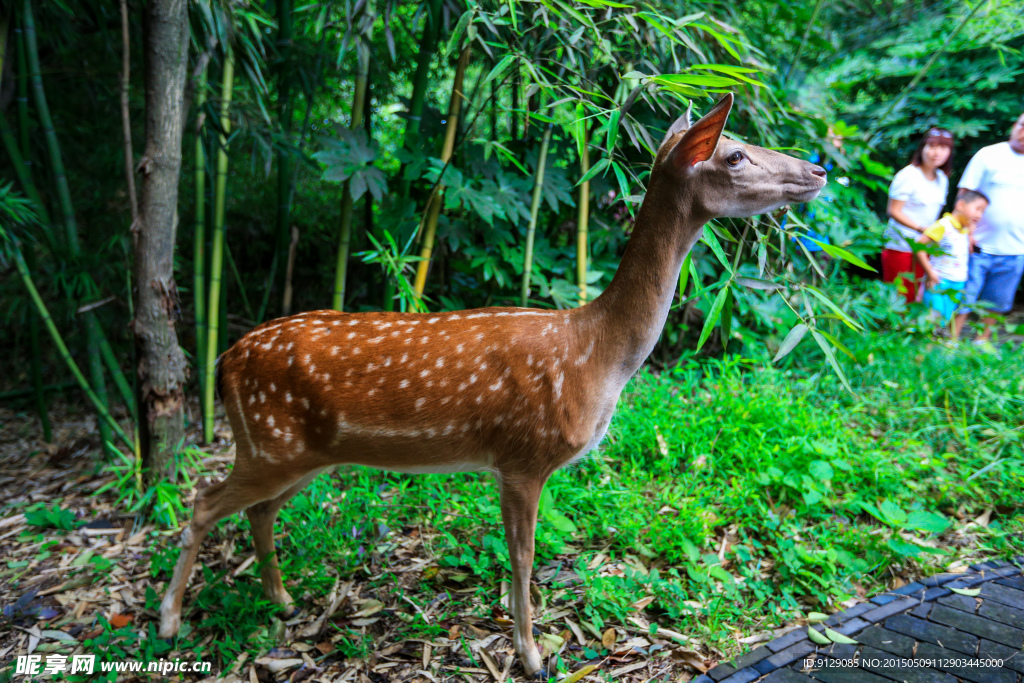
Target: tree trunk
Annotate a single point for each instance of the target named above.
(161, 363)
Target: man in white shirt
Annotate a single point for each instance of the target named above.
(997, 171)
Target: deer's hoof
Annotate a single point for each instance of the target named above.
(169, 624)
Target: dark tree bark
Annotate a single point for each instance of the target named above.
(161, 363)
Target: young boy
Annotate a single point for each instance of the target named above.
(952, 233)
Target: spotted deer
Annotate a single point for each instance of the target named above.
(515, 392)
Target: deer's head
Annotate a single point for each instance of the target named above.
(726, 178)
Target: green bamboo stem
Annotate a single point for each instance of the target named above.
(420, 82)
(199, 247)
(538, 186)
(22, 170)
(63, 190)
(285, 179)
(44, 313)
(238, 281)
(583, 223)
(38, 390)
(217, 255)
(437, 198)
(345, 237)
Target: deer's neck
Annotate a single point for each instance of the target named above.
(629, 316)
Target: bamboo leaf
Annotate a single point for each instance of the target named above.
(697, 80)
(727, 318)
(454, 40)
(817, 637)
(620, 176)
(837, 637)
(684, 275)
(839, 252)
(580, 128)
(613, 129)
(818, 294)
(713, 315)
(790, 342)
(755, 283)
(709, 239)
(831, 357)
(594, 170)
(500, 68)
(969, 592)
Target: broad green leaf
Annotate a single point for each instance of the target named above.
(713, 315)
(698, 80)
(620, 176)
(831, 358)
(893, 513)
(969, 592)
(790, 342)
(837, 637)
(456, 37)
(817, 637)
(580, 129)
(821, 470)
(922, 520)
(816, 616)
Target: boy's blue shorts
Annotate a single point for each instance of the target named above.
(946, 298)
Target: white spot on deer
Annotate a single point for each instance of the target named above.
(420, 402)
(424, 373)
(472, 379)
(375, 340)
(444, 401)
(395, 333)
(356, 351)
(529, 360)
(408, 330)
(558, 383)
(465, 427)
(478, 399)
(353, 322)
(430, 383)
(256, 417)
(454, 317)
(305, 403)
(439, 362)
(431, 433)
(326, 376)
(371, 367)
(478, 315)
(387, 361)
(273, 387)
(270, 420)
(277, 432)
(483, 366)
(267, 346)
(460, 348)
(403, 384)
(288, 397)
(433, 320)
(263, 397)
(480, 337)
(371, 392)
(496, 385)
(409, 340)
(291, 346)
(424, 340)
(350, 335)
(443, 383)
(252, 399)
(448, 429)
(405, 357)
(311, 368)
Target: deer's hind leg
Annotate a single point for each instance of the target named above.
(261, 520)
(248, 484)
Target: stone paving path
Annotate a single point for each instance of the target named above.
(920, 633)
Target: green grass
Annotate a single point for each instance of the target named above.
(819, 494)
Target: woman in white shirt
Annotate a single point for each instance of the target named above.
(916, 198)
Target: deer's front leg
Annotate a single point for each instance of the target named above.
(519, 499)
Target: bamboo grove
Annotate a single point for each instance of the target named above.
(386, 155)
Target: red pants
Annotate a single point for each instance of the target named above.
(897, 263)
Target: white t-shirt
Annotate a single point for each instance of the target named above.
(998, 172)
(955, 241)
(924, 201)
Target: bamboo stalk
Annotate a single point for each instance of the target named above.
(345, 237)
(126, 121)
(63, 190)
(199, 239)
(583, 223)
(538, 186)
(44, 313)
(21, 169)
(289, 271)
(420, 81)
(285, 180)
(38, 390)
(217, 255)
(437, 198)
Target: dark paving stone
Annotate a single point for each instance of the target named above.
(1013, 582)
(744, 676)
(721, 671)
(1004, 594)
(1012, 659)
(933, 633)
(979, 626)
(885, 611)
(703, 679)
(991, 564)
(934, 593)
(901, 674)
(1008, 570)
(1000, 612)
(791, 638)
(755, 655)
(976, 674)
(890, 641)
(960, 602)
(846, 615)
(852, 626)
(857, 675)
(922, 610)
(784, 657)
(787, 676)
(884, 598)
(840, 650)
(909, 589)
(967, 581)
(938, 579)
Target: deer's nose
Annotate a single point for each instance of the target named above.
(818, 171)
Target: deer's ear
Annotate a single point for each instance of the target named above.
(681, 124)
(701, 139)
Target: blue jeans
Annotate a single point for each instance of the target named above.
(992, 281)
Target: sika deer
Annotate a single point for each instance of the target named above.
(515, 392)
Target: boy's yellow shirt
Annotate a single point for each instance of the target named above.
(937, 230)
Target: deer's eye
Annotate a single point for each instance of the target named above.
(734, 158)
